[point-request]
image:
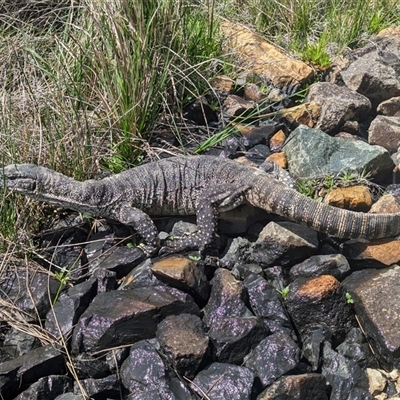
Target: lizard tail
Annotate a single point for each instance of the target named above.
(276, 198)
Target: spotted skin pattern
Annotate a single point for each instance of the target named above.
(192, 185)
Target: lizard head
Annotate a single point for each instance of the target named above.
(19, 177)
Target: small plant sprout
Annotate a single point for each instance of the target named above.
(284, 292)
(349, 299)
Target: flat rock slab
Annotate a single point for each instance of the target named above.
(376, 295)
(120, 317)
(257, 55)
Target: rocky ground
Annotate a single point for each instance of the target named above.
(273, 310)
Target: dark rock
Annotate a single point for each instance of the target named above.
(226, 299)
(338, 104)
(344, 376)
(235, 105)
(184, 274)
(17, 374)
(312, 345)
(182, 228)
(220, 381)
(48, 387)
(319, 302)
(283, 243)
(266, 304)
(61, 319)
(106, 280)
(144, 374)
(311, 153)
(122, 260)
(87, 366)
(69, 396)
(331, 264)
(385, 131)
(273, 357)
(183, 340)
(234, 337)
(258, 153)
(242, 271)
(356, 348)
(200, 112)
(115, 357)
(376, 296)
(296, 387)
(121, 317)
(16, 277)
(390, 107)
(98, 247)
(103, 388)
(235, 251)
(253, 135)
(141, 276)
(17, 343)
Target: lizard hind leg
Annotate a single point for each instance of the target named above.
(222, 198)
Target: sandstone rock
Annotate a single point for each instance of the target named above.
(279, 159)
(258, 55)
(303, 114)
(338, 104)
(390, 108)
(253, 92)
(385, 251)
(235, 105)
(385, 131)
(391, 31)
(377, 381)
(386, 204)
(253, 135)
(356, 198)
(277, 141)
(222, 83)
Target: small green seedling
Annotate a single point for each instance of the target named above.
(349, 299)
(284, 292)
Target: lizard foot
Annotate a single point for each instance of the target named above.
(147, 249)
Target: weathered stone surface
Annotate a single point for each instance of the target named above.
(338, 104)
(17, 374)
(234, 337)
(221, 381)
(279, 159)
(267, 304)
(69, 396)
(259, 56)
(184, 341)
(140, 277)
(222, 83)
(390, 107)
(48, 387)
(319, 301)
(253, 135)
(121, 317)
(235, 105)
(311, 152)
(303, 114)
(330, 264)
(283, 243)
(344, 376)
(226, 299)
(274, 356)
(277, 141)
(386, 204)
(17, 343)
(102, 388)
(184, 274)
(61, 319)
(356, 198)
(88, 366)
(377, 381)
(376, 295)
(253, 92)
(296, 387)
(372, 76)
(385, 131)
(372, 253)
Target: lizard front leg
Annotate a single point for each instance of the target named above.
(210, 202)
(142, 224)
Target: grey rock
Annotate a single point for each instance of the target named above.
(311, 153)
(120, 317)
(115, 357)
(329, 264)
(235, 251)
(296, 387)
(184, 341)
(70, 396)
(234, 337)
(338, 104)
(87, 366)
(48, 387)
(283, 243)
(273, 357)
(140, 277)
(376, 295)
(374, 75)
(346, 378)
(267, 304)
(385, 131)
(221, 381)
(17, 343)
(226, 299)
(17, 374)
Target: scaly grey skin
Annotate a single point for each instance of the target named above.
(194, 185)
